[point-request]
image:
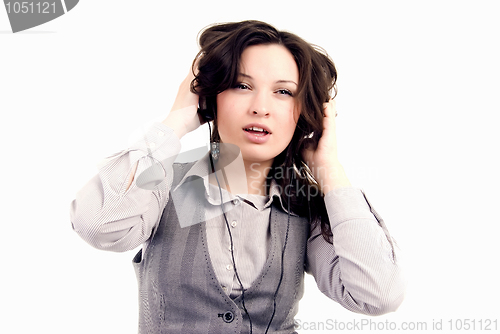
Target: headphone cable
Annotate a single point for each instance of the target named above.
(230, 239)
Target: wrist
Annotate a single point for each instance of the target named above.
(331, 176)
(183, 120)
(174, 124)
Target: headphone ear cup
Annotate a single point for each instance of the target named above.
(205, 112)
(206, 115)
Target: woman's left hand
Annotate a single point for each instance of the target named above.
(323, 161)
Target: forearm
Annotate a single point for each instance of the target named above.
(118, 208)
(362, 269)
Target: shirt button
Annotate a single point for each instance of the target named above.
(151, 145)
(234, 223)
(236, 201)
(160, 134)
(224, 288)
(227, 317)
(229, 267)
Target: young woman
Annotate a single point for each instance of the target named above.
(227, 239)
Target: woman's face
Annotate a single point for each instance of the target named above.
(260, 113)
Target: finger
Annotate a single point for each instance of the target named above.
(330, 108)
(334, 107)
(329, 118)
(329, 114)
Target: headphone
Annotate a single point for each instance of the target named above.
(231, 239)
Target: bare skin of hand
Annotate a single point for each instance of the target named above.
(183, 117)
(323, 161)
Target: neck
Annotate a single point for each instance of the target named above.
(230, 170)
(256, 173)
(230, 178)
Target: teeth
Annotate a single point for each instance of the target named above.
(254, 128)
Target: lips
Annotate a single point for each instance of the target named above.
(257, 129)
(257, 133)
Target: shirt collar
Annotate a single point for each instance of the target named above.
(201, 169)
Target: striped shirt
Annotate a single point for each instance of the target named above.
(362, 262)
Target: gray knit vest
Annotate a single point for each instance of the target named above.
(178, 288)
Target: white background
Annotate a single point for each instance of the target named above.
(417, 130)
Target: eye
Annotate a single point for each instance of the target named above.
(241, 86)
(284, 92)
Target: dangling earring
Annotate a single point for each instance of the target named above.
(215, 150)
(214, 144)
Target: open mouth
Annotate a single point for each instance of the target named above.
(256, 131)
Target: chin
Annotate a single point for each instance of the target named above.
(257, 157)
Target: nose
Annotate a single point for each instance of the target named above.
(261, 104)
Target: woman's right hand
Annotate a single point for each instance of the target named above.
(183, 117)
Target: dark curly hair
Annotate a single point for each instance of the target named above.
(221, 46)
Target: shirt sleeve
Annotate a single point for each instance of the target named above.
(111, 215)
(361, 270)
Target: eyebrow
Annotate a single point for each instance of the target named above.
(279, 81)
